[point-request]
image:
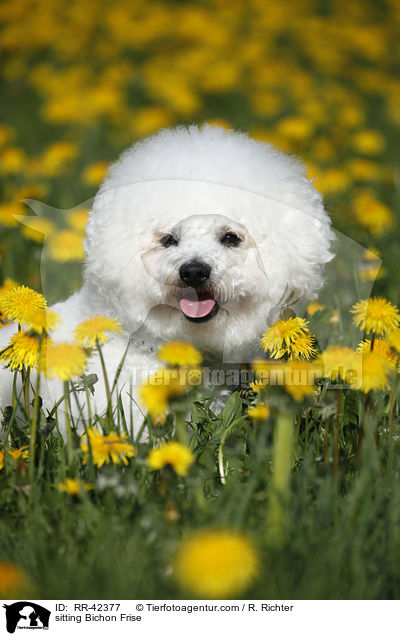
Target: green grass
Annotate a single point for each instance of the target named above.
(339, 536)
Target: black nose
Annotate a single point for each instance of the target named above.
(194, 273)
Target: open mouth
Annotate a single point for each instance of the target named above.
(198, 305)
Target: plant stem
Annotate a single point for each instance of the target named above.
(221, 447)
(57, 404)
(371, 348)
(106, 384)
(392, 402)
(390, 414)
(26, 393)
(7, 437)
(281, 469)
(88, 405)
(361, 431)
(338, 427)
(35, 422)
(326, 441)
(68, 424)
(140, 432)
(181, 430)
(14, 390)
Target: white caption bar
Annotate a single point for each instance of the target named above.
(178, 618)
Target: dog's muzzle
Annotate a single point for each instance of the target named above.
(197, 301)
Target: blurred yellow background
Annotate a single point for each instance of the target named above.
(80, 81)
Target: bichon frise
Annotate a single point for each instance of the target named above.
(196, 234)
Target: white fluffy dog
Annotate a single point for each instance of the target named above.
(196, 234)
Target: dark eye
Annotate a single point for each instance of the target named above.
(230, 239)
(167, 240)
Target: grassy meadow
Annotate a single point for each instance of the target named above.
(293, 489)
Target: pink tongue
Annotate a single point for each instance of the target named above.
(197, 308)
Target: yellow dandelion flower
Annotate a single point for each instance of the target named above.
(23, 350)
(351, 115)
(303, 347)
(369, 271)
(73, 486)
(8, 285)
(61, 110)
(371, 268)
(93, 330)
(150, 119)
(14, 583)
(281, 336)
(313, 307)
(337, 363)
(63, 360)
(375, 373)
(394, 339)
(41, 320)
(2, 460)
(382, 346)
(56, 157)
(332, 180)
(12, 160)
(165, 384)
(9, 213)
(376, 315)
(324, 149)
(256, 386)
(372, 214)
(66, 246)
(363, 169)
(31, 191)
(259, 412)
(334, 319)
(94, 173)
(182, 354)
(219, 123)
(267, 372)
(77, 219)
(171, 512)
(263, 103)
(369, 142)
(216, 564)
(261, 367)
(173, 454)
(155, 399)
(38, 229)
(19, 453)
(177, 380)
(296, 128)
(107, 448)
(299, 379)
(371, 254)
(20, 302)
(282, 333)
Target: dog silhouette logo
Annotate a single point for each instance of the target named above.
(26, 615)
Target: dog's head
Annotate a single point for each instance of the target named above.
(197, 246)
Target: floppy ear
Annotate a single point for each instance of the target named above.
(308, 241)
(114, 271)
(293, 248)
